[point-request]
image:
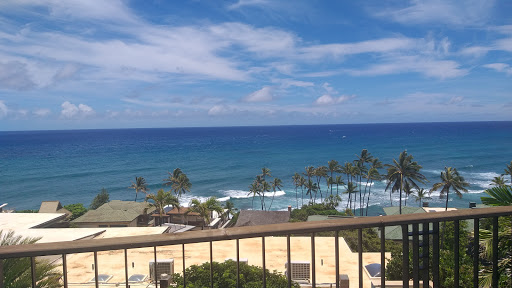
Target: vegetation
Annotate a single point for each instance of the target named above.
(16, 271)
(450, 178)
(205, 209)
(100, 199)
(162, 199)
(498, 196)
(179, 182)
(259, 187)
(404, 171)
(225, 275)
(139, 186)
(76, 210)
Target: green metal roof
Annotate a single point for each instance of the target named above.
(115, 211)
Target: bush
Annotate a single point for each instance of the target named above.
(100, 199)
(77, 210)
(224, 276)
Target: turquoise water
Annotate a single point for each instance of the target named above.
(73, 166)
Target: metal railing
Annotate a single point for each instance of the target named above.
(288, 229)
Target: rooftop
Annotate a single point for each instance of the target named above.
(257, 217)
(115, 211)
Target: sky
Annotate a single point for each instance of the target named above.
(87, 64)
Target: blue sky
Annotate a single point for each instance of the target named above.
(118, 64)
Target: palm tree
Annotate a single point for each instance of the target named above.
(422, 194)
(276, 184)
(205, 209)
(362, 159)
(182, 185)
(302, 185)
(338, 181)
(230, 209)
(162, 199)
(450, 179)
(139, 185)
(264, 185)
(401, 171)
(173, 177)
(16, 271)
(498, 181)
(254, 189)
(320, 172)
(498, 196)
(508, 171)
(296, 181)
(373, 174)
(334, 167)
(311, 188)
(351, 188)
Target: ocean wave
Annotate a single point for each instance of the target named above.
(242, 194)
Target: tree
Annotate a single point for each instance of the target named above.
(450, 179)
(373, 174)
(76, 210)
(498, 181)
(362, 159)
(139, 186)
(422, 194)
(351, 189)
(296, 181)
(100, 199)
(498, 196)
(508, 171)
(334, 167)
(205, 209)
(16, 271)
(276, 185)
(401, 171)
(161, 200)
(254, 190)
(225, 275)
(320, 172)
(179, 182)
(230, 209)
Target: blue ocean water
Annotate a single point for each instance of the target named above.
(73, 166)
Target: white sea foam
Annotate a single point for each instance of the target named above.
(242, 194)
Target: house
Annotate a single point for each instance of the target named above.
(183, 216)
(117, 213)
(257, 217)
(54, 207)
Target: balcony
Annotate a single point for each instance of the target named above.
(295, 242)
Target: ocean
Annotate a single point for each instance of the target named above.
(73, 166)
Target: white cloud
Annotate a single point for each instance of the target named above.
(452, 12)
(42, 112)
(218, 110)
(500, 67)
(15, 75)
(285, 83)
(370, 46)
(243, 3)
(3, 109)
(332, 100)
(456, 100)
(70, 111)
(66, 72)
(443, 69)
(265, 94)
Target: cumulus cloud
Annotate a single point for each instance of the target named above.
(500, 67)
(3, 109)
(332, 100)
(265, 94)
(70, 110)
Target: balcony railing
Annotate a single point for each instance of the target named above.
(427, 220)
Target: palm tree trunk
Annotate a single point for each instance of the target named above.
(401, 184)
(272, 201)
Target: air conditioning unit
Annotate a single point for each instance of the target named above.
(300, 270)
(163, 266)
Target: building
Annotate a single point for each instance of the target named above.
(117, 213)
(257, 217)
(54, 207)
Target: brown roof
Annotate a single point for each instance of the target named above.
(181, 211)
(53, 207)
(257, 217)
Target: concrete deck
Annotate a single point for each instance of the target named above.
(80, 266)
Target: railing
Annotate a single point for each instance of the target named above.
(288, 229)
